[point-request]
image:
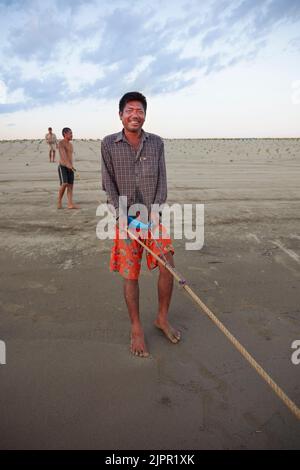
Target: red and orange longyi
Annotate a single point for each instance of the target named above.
(126, 254)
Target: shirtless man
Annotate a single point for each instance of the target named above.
(65, 169)
(52, 142)
(133, 165)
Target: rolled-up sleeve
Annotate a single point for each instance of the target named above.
(108, 178)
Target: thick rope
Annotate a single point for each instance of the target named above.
(279, 392)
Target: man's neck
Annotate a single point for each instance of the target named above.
(133, 136)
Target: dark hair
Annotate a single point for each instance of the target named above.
(49, 128)
(132, 96)
(65, 130)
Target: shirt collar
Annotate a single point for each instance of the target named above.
(121, 136)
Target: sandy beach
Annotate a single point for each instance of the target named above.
(70, 382)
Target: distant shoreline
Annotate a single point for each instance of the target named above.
(166, 139)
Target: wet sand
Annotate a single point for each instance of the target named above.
(70, 381)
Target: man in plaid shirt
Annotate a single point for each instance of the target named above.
(133, 165)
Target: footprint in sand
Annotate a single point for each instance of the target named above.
(11, 308)
(50, 289)
(33, 285)
(68, 264)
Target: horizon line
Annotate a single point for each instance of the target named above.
(165, 138)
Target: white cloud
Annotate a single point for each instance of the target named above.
(82, 52)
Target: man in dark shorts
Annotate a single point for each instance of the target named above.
(133, 165)
(65, 169)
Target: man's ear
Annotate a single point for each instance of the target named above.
(120, 114)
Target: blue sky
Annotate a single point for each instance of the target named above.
(211, 68)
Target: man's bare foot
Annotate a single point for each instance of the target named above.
(59, 205)
(171, 333)
(73, 206)
(137, 343)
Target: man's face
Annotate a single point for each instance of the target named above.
(68, 135)
(133, 116)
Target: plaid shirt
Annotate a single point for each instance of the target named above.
(141, 175)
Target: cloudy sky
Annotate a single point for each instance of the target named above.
(209, 68)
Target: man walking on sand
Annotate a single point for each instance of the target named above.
(65, 169)
(133, 165)
(52, 142)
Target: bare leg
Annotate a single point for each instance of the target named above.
(53, 153)
(131, 294)
(60, 195)
(71, 205)
(165, 288)
(50, 151)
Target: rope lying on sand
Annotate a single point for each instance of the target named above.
(182, 282)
